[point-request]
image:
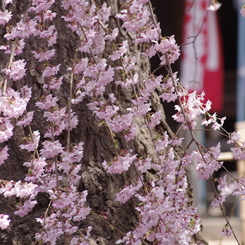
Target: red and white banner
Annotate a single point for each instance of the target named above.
(202, 60)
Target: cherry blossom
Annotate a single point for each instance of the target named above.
(50, 71)
(6, 129)
(226, 231)
(53, 83)
(16, 70)
(168, 46)
(30, 143)
(25, 208)
(163, 207)
(127, 192)
(26, 119)
(207, 163)
(12, 104)
(121, 164)
(5, 17)
(41, 5)
(51, 148)
(155, 119)
(3, 154)
(43, 56)
(47, 102)
(37, 167)
(19, 189)
(4, 221)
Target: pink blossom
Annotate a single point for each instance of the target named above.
(105, 77)
(52, 39)
(60, 117)
(164, 210)
(169, 47)
(227, 231)
(55, 129)
(238, 152)
(31, 143)
(73, 208)
(169, 93)
(11, 104)
(143, 164)
(121, 122)
(113, 35)
(41, 5)
(162, 143)
(6, 129)
(120, 52)
(24, 209)
(18, 50)
(127, 192)
(51, 148)
(44, 56)
(4, 154)
(130, 133)
(141, 109)
(135, 18)
(75, 175)
(120, 164)
(155, 119)
(128, 81)
(75, 155)
(207, 163)
(25, 119)
(107, 112)
(5, 17)
(217, 201)
(222, 183)
(176, 141)
(217, 123)
(234, 137)
(46, 15)
(22, 29)
(217, 126)
(240, 192)
(47, 102)
(4, 221)
(81, 65)
(50, 71)
(37, 167)
(47, 34)
(53, 83)
(148, 34)
(26, 93)
(19, 189)
(16, 70)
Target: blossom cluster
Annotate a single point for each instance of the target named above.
(104, 60)
(46, 173)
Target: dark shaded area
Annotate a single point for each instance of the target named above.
(170, 16)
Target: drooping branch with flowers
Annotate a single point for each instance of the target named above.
(105, 79)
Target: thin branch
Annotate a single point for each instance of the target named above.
(69, 104)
